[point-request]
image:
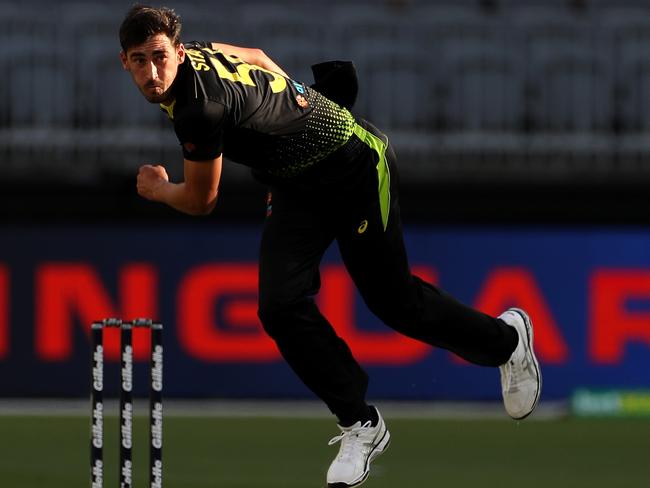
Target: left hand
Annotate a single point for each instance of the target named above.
(150, 180)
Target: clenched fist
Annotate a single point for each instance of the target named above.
(150, 180)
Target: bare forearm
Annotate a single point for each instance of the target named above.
(177, 196)
(196, 195)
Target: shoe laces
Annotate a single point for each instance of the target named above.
(349, 440)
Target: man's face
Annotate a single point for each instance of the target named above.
(153, 66)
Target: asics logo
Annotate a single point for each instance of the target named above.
(362, 228)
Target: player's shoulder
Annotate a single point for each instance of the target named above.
(200, 120)
(201, 111)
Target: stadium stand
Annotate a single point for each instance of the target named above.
(468, 90)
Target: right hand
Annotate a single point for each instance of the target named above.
(150, 180)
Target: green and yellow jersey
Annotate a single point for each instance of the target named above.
(275, 125)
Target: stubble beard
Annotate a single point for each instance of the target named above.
(155, 97)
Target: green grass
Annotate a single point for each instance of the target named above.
(37, 452)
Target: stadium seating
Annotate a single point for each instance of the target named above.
(491, 72)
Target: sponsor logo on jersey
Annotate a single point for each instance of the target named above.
(299, 87)
(302, 101)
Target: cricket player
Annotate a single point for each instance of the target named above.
(331, 177)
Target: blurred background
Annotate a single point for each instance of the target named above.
(522, 129)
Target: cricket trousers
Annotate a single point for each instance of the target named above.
(352, 198)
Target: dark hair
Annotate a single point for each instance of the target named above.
(142, 22)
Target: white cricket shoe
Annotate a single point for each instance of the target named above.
(360, 444)
(521, 378)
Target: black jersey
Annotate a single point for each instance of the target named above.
(253, 116)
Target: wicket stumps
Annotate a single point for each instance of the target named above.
(126, 402)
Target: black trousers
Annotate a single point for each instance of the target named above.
(341, 201)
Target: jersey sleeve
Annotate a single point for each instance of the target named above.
(199, 129)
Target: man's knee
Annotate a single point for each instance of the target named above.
(404, 313)
(278, 316)
(268, 315)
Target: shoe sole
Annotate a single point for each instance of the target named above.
(381, 446)
(528, 324)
